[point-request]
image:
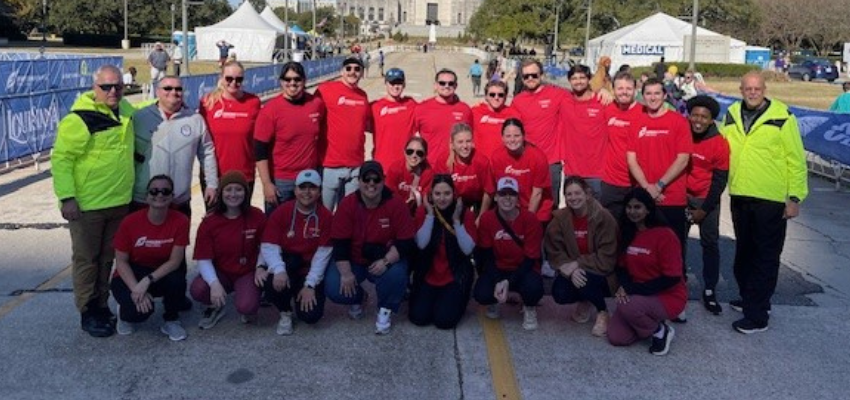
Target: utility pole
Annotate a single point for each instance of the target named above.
(557, 20)
(694, 19)
(315, 32)
(286, 32)
(172, 20)
(185, 42)
(43, 27)
(587, 33)
(125, 44)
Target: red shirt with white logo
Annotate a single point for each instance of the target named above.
(400, 180)
(469, 179)
(530, 170)
(584, 131)
(231, 125)
(509, 255)
(656, 143)
(233, 244)
(709, 155)
(655, 252)
(392, 125)
(440, 274)
(434, 122)
(620, 129)
(389, 222)
(487, 127)
(580, 226)
(539, 113)
(150, 245)
(348, 119)
(294, 131)
(301, 237)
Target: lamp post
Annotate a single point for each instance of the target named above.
(694, 19)
(315, 32)
(43, 27)
(125, 44)
(286, 31)
(587, 33)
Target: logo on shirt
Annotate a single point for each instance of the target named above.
(581, 234)
(637, 251)
(644, 132)
(406, 187)
(250, 233)
(384, 223)
(314, 117)
(387, 110)
(186, 130)
(620, 123)
(486, 119)
(545, 103)
(343, 101)
(152, 243)
(502, 235)
(510, 170)
(698, 156)
(458, 115)
(458, 178)
(593, 112)
(220, 113)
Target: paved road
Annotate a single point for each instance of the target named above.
(45, 355)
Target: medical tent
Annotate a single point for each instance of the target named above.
(252, 37)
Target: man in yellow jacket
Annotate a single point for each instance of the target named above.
(767, 183)
(93, 178)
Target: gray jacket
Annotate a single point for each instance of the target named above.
(169, 147)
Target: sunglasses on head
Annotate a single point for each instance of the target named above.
(231, 79)
(107, 87)
(178, 89)
(496, 94)
(411, 152)
(447, 83)
(530, 76)
(372, 179)
(355, 68)
(158, 191)
(295, 79)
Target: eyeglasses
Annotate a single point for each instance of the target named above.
(689, 77)
(178, 89)
(495, 94)
(447, 83)
(157, 191)
(231, 79)
(107, 87)
(355, 68)
(411, 152)
(296, 79)
(375, 179)
(530, 76)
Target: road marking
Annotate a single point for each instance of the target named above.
(505, 384)
(46, 285)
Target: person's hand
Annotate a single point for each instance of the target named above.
(347, 284)
(792, 209)
(280, 281)
(458, 211)
(378, 267)
(141, 298)
(218, 296)
(429, 208)
(566, 270)
(579, 278)
(605, 97)
(307, 299)
(270, 193)
(210, 195)
(501, 291)
(70, 210)
(697, 215)
(621, 296)
(260, 276)
(654, 191)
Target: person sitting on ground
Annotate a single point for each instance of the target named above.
(129, 78)
(841, 104)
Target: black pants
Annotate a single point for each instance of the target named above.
(709, 237)
(283, 299)
(529, 285)
(185, 209)
(442, 306)
(594, 291)
(760, 235)
(678, 222)
(612, 198)
(171, 287)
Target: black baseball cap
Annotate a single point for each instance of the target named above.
(352, 60)
(371, 167)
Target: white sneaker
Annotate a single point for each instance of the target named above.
(123, 327)
(529, 319)
(284, 326)
(493, 311)
(211, 317)
(247, 319)
(382, 325)
(356, 310)
(174, 330)
(546, 270)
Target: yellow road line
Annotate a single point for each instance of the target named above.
(49, 284)
(505, 384)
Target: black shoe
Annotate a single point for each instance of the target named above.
(106, 314)
(660, 346)
(710, 303)
(185, 304)
(747, 326)
(737, 305)
(96, 326)
(681, 318)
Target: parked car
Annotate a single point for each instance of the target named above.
(814, 68)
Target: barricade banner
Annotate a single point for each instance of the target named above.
(38, 75)
(29, 122)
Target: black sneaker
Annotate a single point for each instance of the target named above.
(710, 303)
(96, 326)
(660, 346)
(747, 326)
(737, 305)
(106, 314)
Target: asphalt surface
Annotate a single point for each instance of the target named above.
(44, 354)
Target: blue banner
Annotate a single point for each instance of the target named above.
(39, 75)
(29, 122)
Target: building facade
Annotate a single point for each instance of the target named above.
(391, 13)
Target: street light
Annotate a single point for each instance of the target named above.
(286, 32)
(125, 44)
(587, 34)
(315, 32)
(43, 27)
(694, 19)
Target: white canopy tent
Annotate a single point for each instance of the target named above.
(646, 41)
(252, 37)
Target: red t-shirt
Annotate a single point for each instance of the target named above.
(709, 155)
(656, 143)
(392, 125)
(440, 274)
(487, 127)
(233, 245)
(580, 226)
(294, 131)
(231, 126)
(389, 222)
(509, 255)
(620, 129)
(434, 122)
(584, 131)
(306, 236)
(539, 113)
(147, 244)
(469, 178)
(399, 180)
(530, 170)
(653, 253)
(348, 119)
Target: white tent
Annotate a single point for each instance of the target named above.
(252, 37)
(646, 41)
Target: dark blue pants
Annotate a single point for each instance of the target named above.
(594, 291)
(529, 285)
(171, 287)
(390, 286)
(442, 306)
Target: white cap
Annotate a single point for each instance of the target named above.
(507, 183)
(308, 176)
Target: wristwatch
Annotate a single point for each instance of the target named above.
(661, 185)
(794, 199)
(151, 278)
(310, 285)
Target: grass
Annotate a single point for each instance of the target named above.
(816, 95)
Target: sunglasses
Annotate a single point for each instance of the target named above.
(372, 179)
(494, 94)
(447, 83)
(164, 191)
(178, 89)
(504, 193)
(231, 79)
(305, 186)
(107, 87)
(411, 152)
(295, 79)
(354, 68)
(530, 76)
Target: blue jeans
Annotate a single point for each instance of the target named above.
(390, 285)
(332, 179)
(556, 173)
(286, 188)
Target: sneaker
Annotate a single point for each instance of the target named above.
(96, 326)
(247, 319)
(123, 327)
(382, 325)
(581, 312)
(211, 317)
(493, 311)
(174, 330)
(709, 301)
(546, 270)
(529, 318)
(737, 305)
(356, 310)
(600, 327)
(747, 326)
(660, 346)
(681, 318)
(284, 325)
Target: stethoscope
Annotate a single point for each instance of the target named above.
(312, 216)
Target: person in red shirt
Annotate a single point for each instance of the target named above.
(707, 177)
(372, 235)
(469, 169)
(526, 163)
(509, 249)
(584, 130)
(621, 114)
(435, 117)
(227, 251)
(343, 145)
(446, 239)
(286, 136)
(581, 244)
(410, 178)
(649, 270)
(392, 120)
(297, 247)
(149, 246)
(488, 117)
(230, 114)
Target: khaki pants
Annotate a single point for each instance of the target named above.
(91, 245)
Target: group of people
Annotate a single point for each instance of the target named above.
(457, 202)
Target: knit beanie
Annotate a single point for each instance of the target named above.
(233, 176)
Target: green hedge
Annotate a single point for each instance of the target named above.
(108, 41)
(713, 70)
